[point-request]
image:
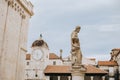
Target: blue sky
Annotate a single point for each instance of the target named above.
(56, 19)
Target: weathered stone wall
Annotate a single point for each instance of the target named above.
(3, 12)
(14, 20)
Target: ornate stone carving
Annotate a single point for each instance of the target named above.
(17, 7)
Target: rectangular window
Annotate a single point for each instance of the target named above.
(111, 69)
(54, 62)
(27, 63)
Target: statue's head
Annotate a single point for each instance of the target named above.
(77, 29)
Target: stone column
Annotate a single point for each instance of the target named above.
(58, 77)
(91, 77)
(47, 77)
(119, 69)
(103, 78)
(111, 79)
(69, 77)
(78, 76)
(78, 73)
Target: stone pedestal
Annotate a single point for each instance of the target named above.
(78, 77)
(78, 72)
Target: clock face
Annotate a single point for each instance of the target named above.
(37, 54)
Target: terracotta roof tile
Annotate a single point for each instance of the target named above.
(67, 69)
(57, 69)
(94, 70)
(28, 56)
(53, 56)
(107, 63)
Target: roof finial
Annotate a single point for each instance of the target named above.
(40, 35)
(61, 53)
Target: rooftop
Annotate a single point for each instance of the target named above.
(67, 69)
(57, 69)
(107, 63)
(53, 56)
(39, 43)
(94, 70)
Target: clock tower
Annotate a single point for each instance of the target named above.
(40, 57)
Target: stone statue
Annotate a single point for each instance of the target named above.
(75, 47)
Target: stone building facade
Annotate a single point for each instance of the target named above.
(14, 22)
(115, 56)
(112, 66)
(50, 66)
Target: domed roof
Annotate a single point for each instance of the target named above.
(39, 43)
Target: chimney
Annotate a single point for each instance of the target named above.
(61, 53)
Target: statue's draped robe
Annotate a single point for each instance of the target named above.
(75, 49)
